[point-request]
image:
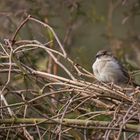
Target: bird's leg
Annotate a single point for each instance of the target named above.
(111, 85)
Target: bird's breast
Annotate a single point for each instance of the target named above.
(108, 71)
(98, 68)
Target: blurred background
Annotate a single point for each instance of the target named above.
(83, 26)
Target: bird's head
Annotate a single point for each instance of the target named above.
(103, 54)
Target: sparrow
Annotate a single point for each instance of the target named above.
(108, 69)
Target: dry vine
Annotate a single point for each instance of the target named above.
(68, 105)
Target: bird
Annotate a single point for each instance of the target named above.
(108, 69)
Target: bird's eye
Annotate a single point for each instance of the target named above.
(104, 53)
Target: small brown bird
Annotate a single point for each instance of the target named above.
(108, 69)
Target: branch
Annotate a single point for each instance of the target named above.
(77, 123)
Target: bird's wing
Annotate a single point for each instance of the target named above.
(124, 70)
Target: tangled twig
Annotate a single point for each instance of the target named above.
(36, 98)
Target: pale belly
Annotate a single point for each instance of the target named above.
(109, 72)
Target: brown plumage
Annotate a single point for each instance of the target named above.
(108, 69)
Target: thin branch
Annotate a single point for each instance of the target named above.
(70, 122)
